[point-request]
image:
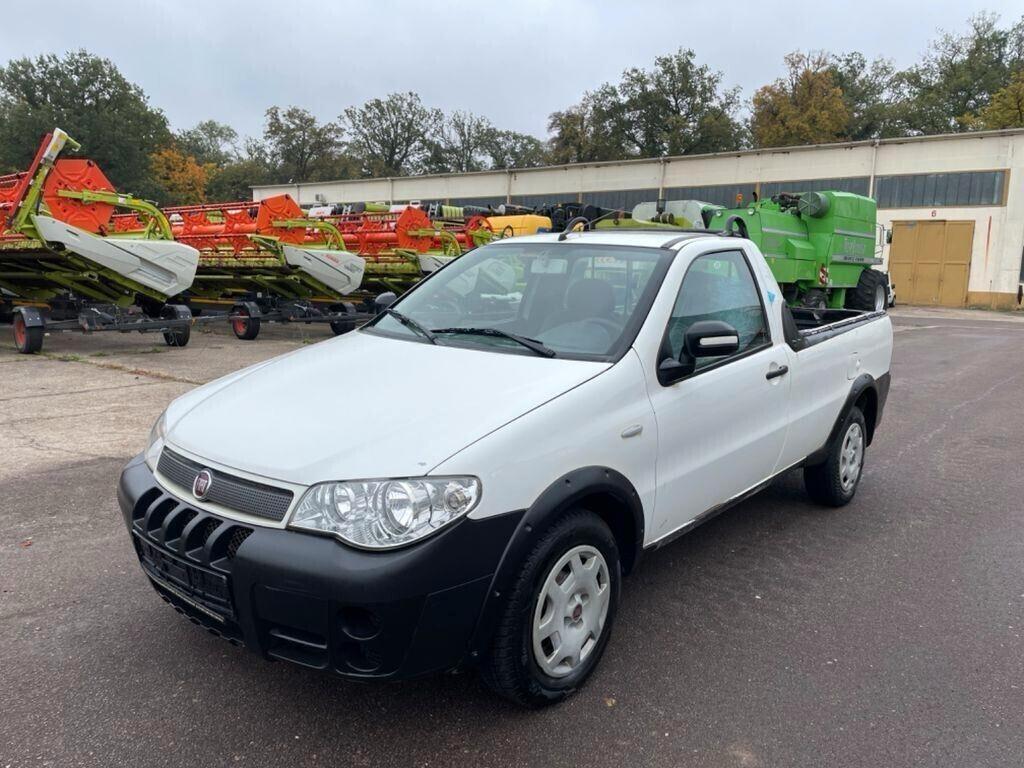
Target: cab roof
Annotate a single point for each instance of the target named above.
(672, 239)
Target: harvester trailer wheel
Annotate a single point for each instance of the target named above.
(245, 326)
(871, 293)
(341, 326)
(27, 338)
(179, 335)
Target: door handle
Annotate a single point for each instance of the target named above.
(782, 370)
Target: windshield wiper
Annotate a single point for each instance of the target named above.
(531, 344)
(408, 322)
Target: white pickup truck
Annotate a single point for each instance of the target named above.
(465, 480)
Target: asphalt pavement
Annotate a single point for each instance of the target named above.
(885, 634)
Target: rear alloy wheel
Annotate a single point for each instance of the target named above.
(28, 339)
(834, 481)
(245, 326)
(558, 613)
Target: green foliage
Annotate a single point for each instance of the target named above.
(867, 91)
(509, 149)
(87, 97)
(958, 76)
(392, 136)
(589, 131)
(233, 181)
(300, 148)
(677, 107)
(210, 143)
(458, 144)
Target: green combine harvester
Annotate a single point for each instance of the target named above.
(821, 246)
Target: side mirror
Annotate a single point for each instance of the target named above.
(706, 338)
(711, 338)
(671, 370)
(384, 301)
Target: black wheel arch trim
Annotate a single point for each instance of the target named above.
(863, 383)
(251, 307)
(32, 316)
(562, 495)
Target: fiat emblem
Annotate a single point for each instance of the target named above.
(201, 485)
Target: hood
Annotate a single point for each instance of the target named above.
(363, 406)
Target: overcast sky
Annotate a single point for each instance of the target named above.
(513, 62)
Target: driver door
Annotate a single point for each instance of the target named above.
(721, 430)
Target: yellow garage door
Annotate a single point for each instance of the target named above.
(930, 261)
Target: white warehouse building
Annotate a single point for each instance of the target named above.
(954, 203)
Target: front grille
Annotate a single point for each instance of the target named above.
(239, 494)
(188, 555)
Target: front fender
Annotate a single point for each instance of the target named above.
(567, 492)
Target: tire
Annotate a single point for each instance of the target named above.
(28, 339)
(832, 483)
(871, 293)
(580, 542)
(179, 335)
(245, 326)
(340, 326)
(815, 298)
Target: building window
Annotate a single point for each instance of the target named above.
(620, 200)
(729, 195)
(483, 202)
(539, 201)
(931, 190)
(858, 185)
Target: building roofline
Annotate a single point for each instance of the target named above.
(966, 135)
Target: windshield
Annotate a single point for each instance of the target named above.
(554, 299)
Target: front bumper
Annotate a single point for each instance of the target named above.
(309, 599)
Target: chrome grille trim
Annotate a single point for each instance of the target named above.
(236, 493)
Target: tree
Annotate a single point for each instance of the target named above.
(806, 107)
(1006, 108)
(210, 143)
(298, 147)
(180, 178)
(867, 91)
(459, 144)
(509, 149)
(678, 107)
(590, 131)
(392, 136)
(90, 99)
(959, 75)
(233, 181)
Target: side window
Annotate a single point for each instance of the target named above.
(719, 286)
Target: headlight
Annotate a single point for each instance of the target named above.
(156, 434)
(158, 431)
(381, 514)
